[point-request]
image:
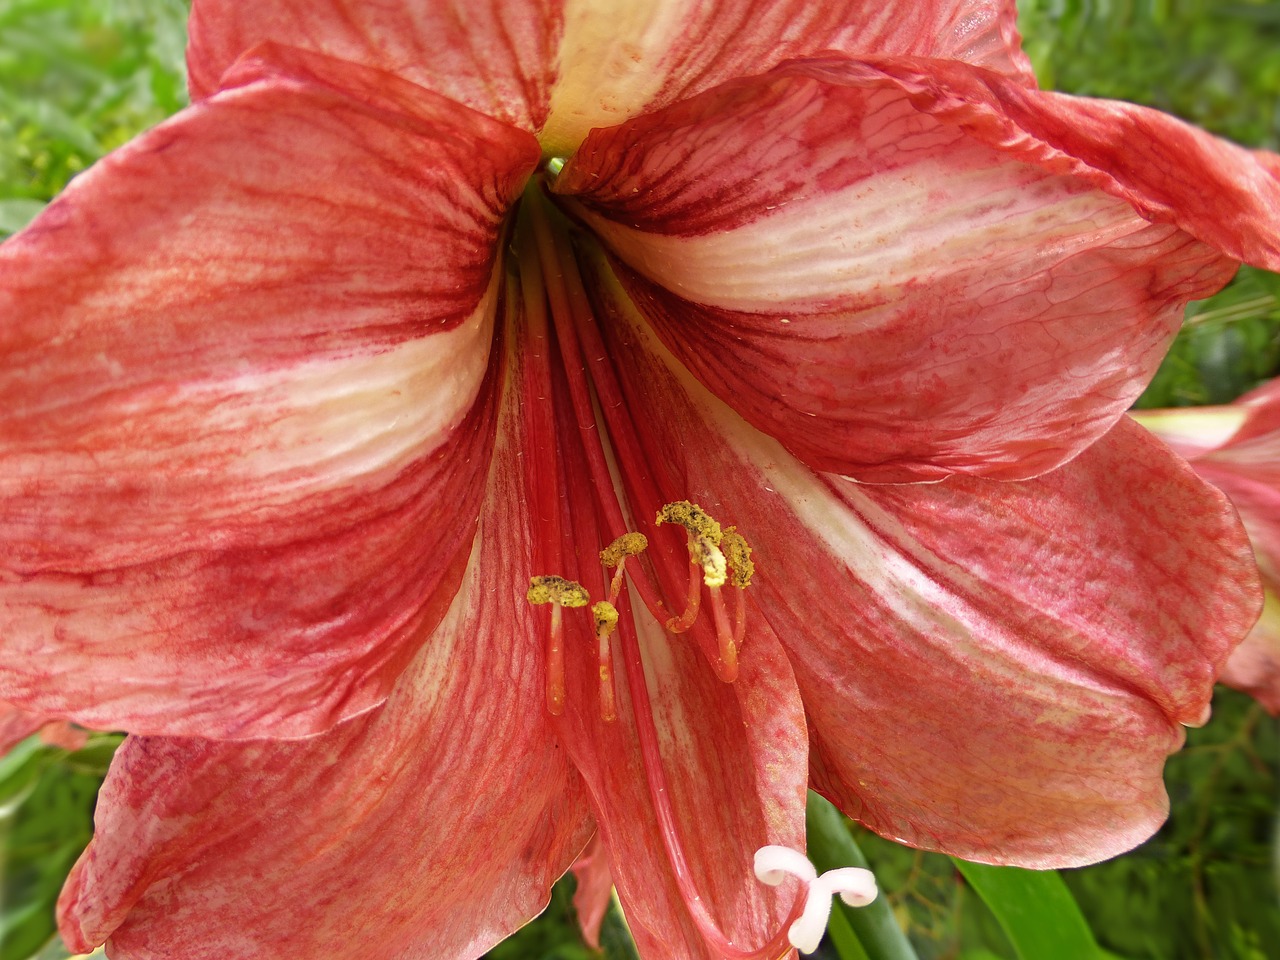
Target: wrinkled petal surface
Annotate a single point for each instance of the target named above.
(995, 670)
(589, 63)
(427, 829)
(495, 56)
(245, 405)
(847, 256)
(620, 58)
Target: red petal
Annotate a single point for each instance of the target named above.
(594, 890)
(1254, 666)
(246, 399)
(16, 725)
(850, 267)
(433, 826)
(996, 670)
(1245, 465)
(495, 56)
(619, 60)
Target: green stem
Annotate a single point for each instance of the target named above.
(830, 846)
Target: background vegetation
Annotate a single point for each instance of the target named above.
(80, 77)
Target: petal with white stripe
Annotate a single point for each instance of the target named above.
(246, 395)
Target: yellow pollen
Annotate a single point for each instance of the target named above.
(738, 552)
(627, 545)
(606, 615)
(693, 518)
(557, 590)
(705, 537)
(711, 558)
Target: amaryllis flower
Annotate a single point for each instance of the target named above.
(390, 438)
(1236, 447)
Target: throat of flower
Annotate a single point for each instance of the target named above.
(559, 322)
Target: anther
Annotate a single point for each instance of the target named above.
(737, 553)
(720, 556)
(856, 887)
(606, 617)
(558, 592)
(615, 556)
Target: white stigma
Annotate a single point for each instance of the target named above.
(856, 887)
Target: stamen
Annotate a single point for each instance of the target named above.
(606, 615)
(705, 536)
(693, 602)
(727, 667)
(856, 886)
(720, 556)
(615, 555)
(558, 592)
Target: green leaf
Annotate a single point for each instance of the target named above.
(1036, 910)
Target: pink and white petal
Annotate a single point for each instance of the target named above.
(1262, 406)
(1171, 172)
(733, 757)
(995, 670)
(1193, 431)
(619, 59)
(1254, 666)
(494, 56)
(430, 827)
(16, 725)
(889, 296)
(594, 891)
(246, 396)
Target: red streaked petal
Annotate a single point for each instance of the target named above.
(1254, 666)
(594, 890)
(996, 670)
(855, 273)
(245, 401)
(1192, 431)
(495, 56)
(432, 826)
(16, 725)
(619, 59)
(1237, 449)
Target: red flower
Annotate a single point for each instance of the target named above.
(301, 388)
(1237, 449)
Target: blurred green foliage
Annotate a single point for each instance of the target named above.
(46, 809)
(1214, 62)
(79, 77)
